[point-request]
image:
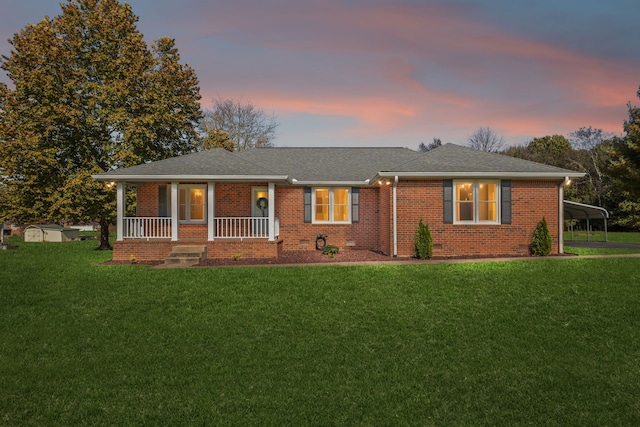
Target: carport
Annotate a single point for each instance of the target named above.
(575, 210)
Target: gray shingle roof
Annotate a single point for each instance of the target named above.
(333, 165)
(216, 162)
(451, 158)
(328, 164)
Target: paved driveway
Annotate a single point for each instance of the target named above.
(609, 245)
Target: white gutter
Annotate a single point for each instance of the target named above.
(395, 217)
(462, 175)
(331, 183)
(182, 178)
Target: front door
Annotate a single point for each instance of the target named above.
(260, 210)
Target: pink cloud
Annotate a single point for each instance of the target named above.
(486, 76)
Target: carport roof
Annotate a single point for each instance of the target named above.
(575, 210)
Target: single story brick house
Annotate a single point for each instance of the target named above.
(259, 202)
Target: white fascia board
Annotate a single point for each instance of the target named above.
(150, 178)
(331, 183)
(495, 175)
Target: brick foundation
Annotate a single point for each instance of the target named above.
(157, 250)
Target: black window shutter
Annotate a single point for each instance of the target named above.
(505, 201)
(447, 201)
(163, 206)
(355, 204)
(307, 204)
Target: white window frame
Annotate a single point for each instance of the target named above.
(476, 200)
(187, 189)
(331, 205)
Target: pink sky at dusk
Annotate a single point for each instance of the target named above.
(397, 73)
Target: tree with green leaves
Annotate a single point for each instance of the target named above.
(591, 145)
(217, 138)
(89, 96)
(556, 150)
(624, 167)
(625, 154)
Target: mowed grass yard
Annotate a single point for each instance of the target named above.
(535, 342)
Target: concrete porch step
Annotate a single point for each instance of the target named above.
(185, 256)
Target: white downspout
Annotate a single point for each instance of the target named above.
(561, 215)
(395, 217)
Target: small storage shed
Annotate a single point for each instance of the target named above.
(50, 233)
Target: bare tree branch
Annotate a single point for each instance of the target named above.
(486, 139)
(246, 125)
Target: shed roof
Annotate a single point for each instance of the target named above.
(54, 227)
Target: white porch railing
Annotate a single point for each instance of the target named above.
(244, 227)
(146, 228)
(229, 227)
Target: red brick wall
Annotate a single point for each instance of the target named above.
(147, 199)
(531, 201)
(155, 250)
(416, 200)
(298, 235)
(141, 250)
(234, 199)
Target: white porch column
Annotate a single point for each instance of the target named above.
(211, 209)
(272, 211)
(174, 211)
(561, 219)
(120, 209)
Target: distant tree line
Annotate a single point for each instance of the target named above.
(611, 164)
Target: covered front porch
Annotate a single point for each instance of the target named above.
(219, 228)
(173, 213)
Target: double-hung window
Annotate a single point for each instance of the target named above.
(331, 205)
(191, 203)
(476, 201)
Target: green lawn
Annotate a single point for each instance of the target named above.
(541, 342)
